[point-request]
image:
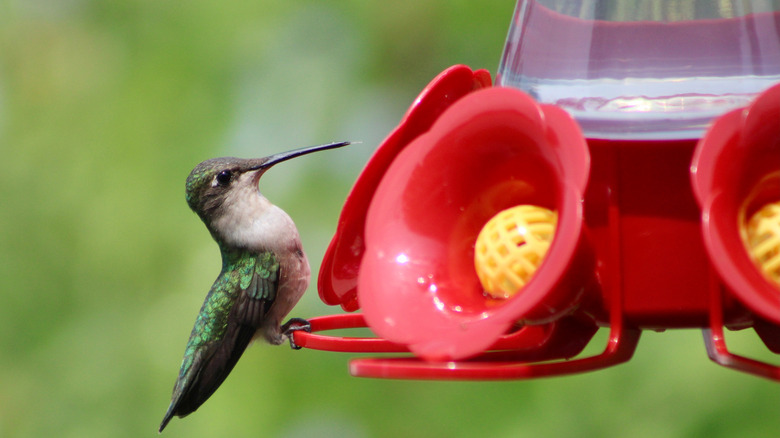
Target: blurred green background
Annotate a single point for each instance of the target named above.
(105, 106)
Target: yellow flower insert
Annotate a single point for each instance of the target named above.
(763, 240)
(511, 247)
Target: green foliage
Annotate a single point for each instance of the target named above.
(105, 107)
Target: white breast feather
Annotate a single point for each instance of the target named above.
(251, 221)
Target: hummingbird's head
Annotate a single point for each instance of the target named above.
(215, 183)
(210, 181)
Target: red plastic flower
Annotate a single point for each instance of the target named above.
(735, 171)
(405, 242)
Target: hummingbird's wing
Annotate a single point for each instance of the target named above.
(231, 314)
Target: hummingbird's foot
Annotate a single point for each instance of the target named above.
(293, 325)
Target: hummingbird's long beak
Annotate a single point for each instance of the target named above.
(267, 162)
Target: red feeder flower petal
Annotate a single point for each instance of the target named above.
(337, 282)
(490, 150)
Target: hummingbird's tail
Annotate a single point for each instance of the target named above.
(204, 371)
(167, 417)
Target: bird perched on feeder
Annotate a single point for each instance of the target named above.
(264, 273)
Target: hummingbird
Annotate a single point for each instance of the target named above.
(264, 273)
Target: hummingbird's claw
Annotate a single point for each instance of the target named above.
(294, 325)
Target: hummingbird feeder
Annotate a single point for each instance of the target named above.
(622, 173)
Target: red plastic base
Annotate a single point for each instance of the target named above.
(516, 355)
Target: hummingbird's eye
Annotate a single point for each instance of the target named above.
(224, 177)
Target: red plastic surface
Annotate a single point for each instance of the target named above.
(512, 356)
(523, 338)
(652, 244)
(487, 367)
